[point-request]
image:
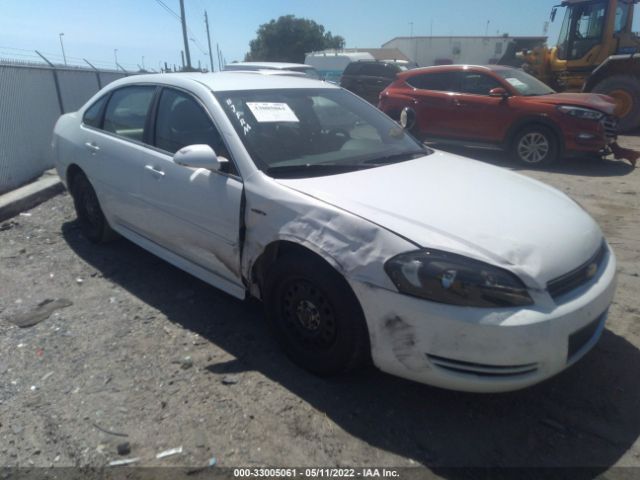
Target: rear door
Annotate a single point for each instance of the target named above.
(114, 149)
(434, 103)
(194, 213)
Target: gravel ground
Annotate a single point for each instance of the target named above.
(133, 346)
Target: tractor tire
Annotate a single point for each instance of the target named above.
(625, 89)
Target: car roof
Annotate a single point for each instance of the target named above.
(377, 60)
(267, 65)
(454, 68)
(227, 81)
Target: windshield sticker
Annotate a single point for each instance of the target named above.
(516, 83)
(272, 112)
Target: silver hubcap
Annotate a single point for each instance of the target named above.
(308, 315)
(533, 147)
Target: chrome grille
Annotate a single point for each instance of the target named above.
(578, 277)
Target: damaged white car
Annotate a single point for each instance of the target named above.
(364, 244)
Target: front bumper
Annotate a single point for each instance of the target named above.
(484, 350)
(584, 136)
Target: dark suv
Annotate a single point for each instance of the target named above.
(368, 78)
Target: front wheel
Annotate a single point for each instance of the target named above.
(535, 146)
(315, 315)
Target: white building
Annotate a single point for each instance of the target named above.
(427, 51)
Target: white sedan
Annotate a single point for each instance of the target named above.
(363, 244)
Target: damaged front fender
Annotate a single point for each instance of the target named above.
(355, 247)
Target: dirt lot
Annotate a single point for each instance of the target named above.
(115, 359)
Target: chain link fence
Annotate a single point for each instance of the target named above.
(32, 97)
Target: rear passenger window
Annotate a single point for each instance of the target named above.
(93, 114)
(181, 121)
(127, 111)
(352, 69)
(439, 81)
(376, 70)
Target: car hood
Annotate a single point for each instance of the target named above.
(443, 201)
(596, 101)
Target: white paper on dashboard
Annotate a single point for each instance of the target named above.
(272, 112)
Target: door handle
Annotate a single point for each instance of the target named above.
(156, 172)
(92, 147)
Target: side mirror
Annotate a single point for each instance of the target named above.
(499, 93)
(199, 156)
(408, 118)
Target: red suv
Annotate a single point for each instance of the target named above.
(502, 107)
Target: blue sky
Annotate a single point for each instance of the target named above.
(94, 28)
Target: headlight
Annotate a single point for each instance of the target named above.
(456, 280)
(582, 113)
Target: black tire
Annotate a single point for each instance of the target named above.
(623, 88)
(535, 145)
(92, 222)
(315, 316)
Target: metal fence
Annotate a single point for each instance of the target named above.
(32, 97)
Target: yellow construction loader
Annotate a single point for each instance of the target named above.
(596, 52)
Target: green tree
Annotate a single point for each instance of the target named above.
(288, 39)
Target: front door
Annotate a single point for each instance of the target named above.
(476, 115)
(194, 213)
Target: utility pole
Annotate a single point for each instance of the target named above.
(182, 56)
(184, 34)
(64, 56)
(219, 61)
(206, 22)
(115, 55)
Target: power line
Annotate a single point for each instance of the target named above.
(177, 16)
(168, 9)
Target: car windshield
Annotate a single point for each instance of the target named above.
(524, 83)
(314, 132)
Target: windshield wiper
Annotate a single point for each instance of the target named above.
(314, 169)
(399, 157)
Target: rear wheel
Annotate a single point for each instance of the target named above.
(625, 90)
(93, 224)
(535, 145)
(315, 315)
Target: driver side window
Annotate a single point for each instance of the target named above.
(182, 121)
(478, 83)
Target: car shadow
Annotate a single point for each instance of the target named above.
(590, 166)
(587, 416)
